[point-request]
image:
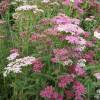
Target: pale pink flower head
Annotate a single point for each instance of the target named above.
(97, 75)
(75, 40)
(63, 19)
(14, 54)
(72, 28)
(80, 71)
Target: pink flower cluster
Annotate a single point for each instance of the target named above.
(75, 40)
(79, 90)
(89, 56)
(80, 71)
(49, 93)
(63, 19)
(77, 70)
(65, 80)
(72, 28)
(37, 66)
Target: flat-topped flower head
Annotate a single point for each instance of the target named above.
(33, 8)
(72, 28)
(45, 1)
(79, 90)
(17, 65)
(75, 40)
(97, 34)
(26, 7)
(65, 80)
(50, 93)
(63, 19)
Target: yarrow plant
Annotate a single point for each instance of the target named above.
(16, 65)
(53, 56)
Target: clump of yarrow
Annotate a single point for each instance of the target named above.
(16, 64)
(33, 8)
(20, 10)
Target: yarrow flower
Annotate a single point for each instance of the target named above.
(21, 0)
(81, 62)
(67, 62)
(72, 28)
(26, 7)
(89, 56)
(97, 34)
(97, 75)
(49, 93)
(79, 90)
(75, 40)
(91, 18)
(79, 70)
(16, 66)
(65, 80)
(63, 19)
(33, 8)
(14, 54)
(37, 66)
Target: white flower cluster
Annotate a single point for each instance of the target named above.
(97, 34)
(49, 2)
(68, 62)
(81, 62)
(45, 1)
(34, 8)
(16, 66)
(21, 0)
